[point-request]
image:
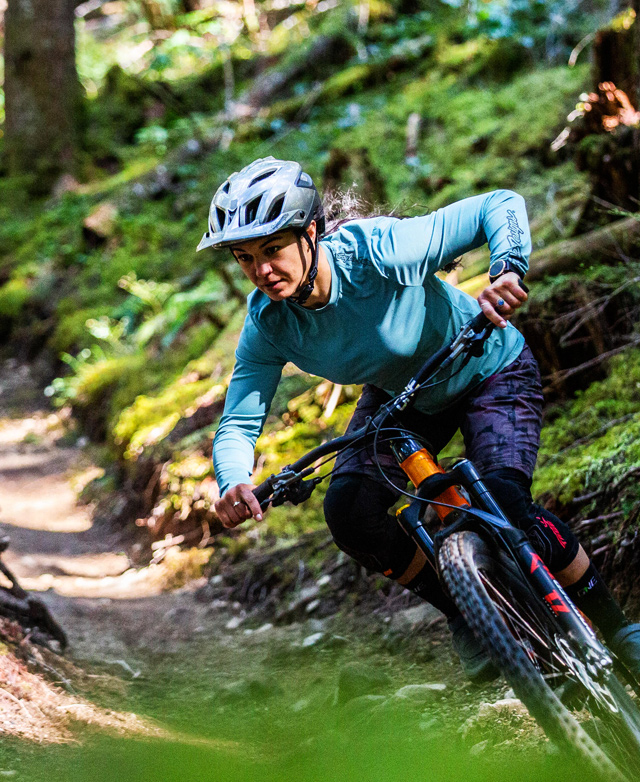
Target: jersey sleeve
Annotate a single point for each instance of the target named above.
(253, 384)
(413, 248)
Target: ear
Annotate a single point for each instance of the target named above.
(312, 230)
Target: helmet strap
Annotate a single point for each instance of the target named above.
(307, 288)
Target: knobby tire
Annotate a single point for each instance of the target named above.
(518, 631)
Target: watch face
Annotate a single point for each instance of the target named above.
(496, 268)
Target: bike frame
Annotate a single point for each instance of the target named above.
(496, 526)
(434, 486)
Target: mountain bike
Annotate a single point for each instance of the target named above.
(577, 690)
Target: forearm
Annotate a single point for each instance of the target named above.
(414, 248)
(233, 454)
(506, 227)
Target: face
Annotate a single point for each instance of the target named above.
(274, 264)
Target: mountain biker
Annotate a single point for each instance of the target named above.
(364, 305)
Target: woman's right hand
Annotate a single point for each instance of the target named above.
(237, 505)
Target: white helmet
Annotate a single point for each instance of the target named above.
(267, 196)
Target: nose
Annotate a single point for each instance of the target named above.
(262, 267)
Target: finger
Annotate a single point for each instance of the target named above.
(251, 503)
(238, 511)
(507, 299)
(515, 290)
(221, 513)
(494, 316)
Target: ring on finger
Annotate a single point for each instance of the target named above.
(501, 303)
(239, 502)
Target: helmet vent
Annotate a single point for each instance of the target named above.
(276, 209)
(252, 210)
(260, 177)
(221, 216)
(226, 186)
(304, 180)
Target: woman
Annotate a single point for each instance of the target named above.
(363, 305)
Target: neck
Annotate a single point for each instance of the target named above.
(322, 287)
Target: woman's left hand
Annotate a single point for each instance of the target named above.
(502, 298)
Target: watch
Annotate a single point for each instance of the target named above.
(498, 268)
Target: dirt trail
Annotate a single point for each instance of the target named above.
(109, 609)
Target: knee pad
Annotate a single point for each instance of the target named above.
(355, 508)
(551, 538)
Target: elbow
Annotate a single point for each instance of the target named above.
(503, 196)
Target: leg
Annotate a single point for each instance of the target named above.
(502, 431)
(559, 548)
(356, 508)
(357, 503)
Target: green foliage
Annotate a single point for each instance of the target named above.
(147, 319)
(71, 331)
(150, 418)
(606, 416)
(93, 375)
(13, 297)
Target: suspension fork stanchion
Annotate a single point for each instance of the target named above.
(418, 464)
(470, 479)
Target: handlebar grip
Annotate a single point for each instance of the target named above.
(263, 491)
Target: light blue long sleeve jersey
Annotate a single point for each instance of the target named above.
(387, 313)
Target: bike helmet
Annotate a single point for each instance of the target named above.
(268, 195)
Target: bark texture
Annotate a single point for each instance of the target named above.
(42, 91)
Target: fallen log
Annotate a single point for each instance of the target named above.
(28, 610)
(611, 244)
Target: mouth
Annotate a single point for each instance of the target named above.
(272, 285)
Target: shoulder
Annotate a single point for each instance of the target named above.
(357, 240)
(359, 231)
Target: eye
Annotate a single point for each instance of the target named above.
(272, 249)
(243, 258)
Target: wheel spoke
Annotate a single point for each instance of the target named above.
(595, 707)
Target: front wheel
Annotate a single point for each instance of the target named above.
(589, 714)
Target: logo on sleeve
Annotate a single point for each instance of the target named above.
(515, 232)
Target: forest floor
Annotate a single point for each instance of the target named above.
(315, 698)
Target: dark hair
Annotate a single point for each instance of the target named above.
(342, 206)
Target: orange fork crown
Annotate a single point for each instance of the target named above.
(419, 464)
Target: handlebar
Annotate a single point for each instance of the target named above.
(263, 492)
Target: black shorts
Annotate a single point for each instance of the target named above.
(500, 421)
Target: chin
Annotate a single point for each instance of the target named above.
(277, 295)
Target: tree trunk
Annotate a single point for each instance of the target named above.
(635, 74)
(42, 91)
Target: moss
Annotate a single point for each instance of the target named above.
(610, 449)
(150, 418)
(14, 295)
(93, 380)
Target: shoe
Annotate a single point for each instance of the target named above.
(475, 662)
(626, 644)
